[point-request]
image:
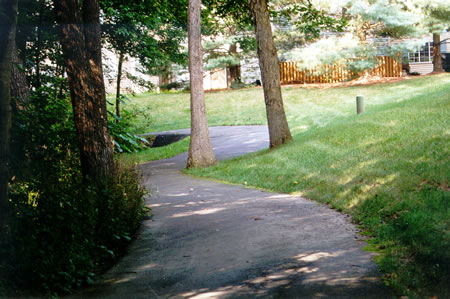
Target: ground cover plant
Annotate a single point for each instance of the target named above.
(388, 167)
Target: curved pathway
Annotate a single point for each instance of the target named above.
(211, 240)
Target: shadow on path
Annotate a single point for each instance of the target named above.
(211, 240)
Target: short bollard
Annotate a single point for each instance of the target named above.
(360, 104)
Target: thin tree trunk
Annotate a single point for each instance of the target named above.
(38, 46)
(61, 85)
(437, 60)
(119, 78)
(234, 69)
(200, 150)
(8, 22)
(270, 72)
(81, 48)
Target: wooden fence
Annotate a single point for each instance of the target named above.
(290, 74)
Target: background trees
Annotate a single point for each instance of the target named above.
(149, 31)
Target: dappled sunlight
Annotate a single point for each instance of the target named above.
(177, 194)
(217, 293)
(314, 256)
(195, 203)
(146, 267)
(280, 197)
(156, 205)
(200, 212)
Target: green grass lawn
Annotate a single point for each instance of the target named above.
(305, 107)
(389, 168)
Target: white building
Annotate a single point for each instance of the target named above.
(421, 61)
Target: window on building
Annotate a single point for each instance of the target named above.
(423, 54)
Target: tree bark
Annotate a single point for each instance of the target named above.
(8, 22)
(437, 59)
(200, 150)
(82, 56)
(270, 74)
(20, 90)
(119, 78)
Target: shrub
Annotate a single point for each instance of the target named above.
(64, 229)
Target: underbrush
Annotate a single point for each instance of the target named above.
(63, 229)
(389, 168)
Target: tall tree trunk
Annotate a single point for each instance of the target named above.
(270, 72)
(119, 78)
(200, 150)
(92, 36)
(437, 59)
(82, 56)
(8, 21)
(20, 90)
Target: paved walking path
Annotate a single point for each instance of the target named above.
(211, 240)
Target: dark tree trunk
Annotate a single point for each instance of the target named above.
(235, 70)
(81, 49)
(200, 150)
(437, 59)
(92, 35)
(270, 72)
(119, 78)
(38, 46)
(8, 21)
(20, 90)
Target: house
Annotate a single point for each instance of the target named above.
(421, 61)
(133, 79)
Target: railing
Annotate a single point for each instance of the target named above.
(290, 74)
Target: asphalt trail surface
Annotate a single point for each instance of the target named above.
(212, 240)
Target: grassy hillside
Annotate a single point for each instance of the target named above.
(389, 168)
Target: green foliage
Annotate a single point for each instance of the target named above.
(148, 30)
(120, 130)
(64, 229)
(306, 18)
(37, 39)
